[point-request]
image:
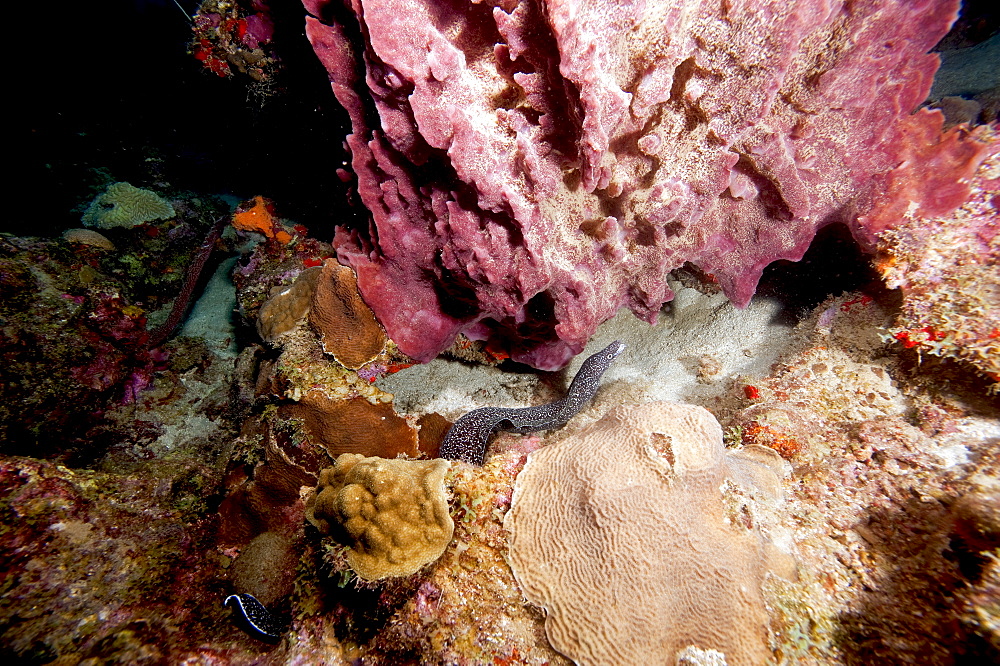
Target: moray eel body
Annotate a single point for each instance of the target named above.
(469, 437)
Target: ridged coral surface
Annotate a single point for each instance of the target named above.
(582, 523)
(532, 167)
(345, 325)
(125, 205)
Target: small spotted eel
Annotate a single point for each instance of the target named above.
(468, 438)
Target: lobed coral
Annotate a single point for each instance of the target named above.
(580, 548)
(394, 513)
(531, 168)
(124, 205)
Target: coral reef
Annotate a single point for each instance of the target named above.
(236, 36)
(394, 513)
(532, 168)
(73, 337)
(303, 408)
(881, 459)
(122, 566)
(942, 257)
(578, 544)
(125, 205)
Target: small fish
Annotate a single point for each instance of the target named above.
(256, 616)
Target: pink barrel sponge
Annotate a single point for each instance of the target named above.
(532, 167)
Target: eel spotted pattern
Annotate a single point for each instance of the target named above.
(468, 439)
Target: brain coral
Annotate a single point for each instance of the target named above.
(393, 513)
(531, 167)
(124, 205)
(623, 534)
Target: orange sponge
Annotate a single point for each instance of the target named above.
(257, 214)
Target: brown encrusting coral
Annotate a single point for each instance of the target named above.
(345, 325)
(355, 425)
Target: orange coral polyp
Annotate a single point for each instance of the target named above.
(259, 218)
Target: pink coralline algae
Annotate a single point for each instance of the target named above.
(532, 167)
(936, 227)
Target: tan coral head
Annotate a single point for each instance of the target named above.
(392, 513)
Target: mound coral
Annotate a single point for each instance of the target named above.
(393, 512)
(580, 548)
(124, 205)
(531, 168)
(286, 306)
(88, 237)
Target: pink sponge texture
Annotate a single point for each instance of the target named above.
(532, 167)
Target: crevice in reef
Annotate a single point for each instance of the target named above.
(832, 265)
(768, 193)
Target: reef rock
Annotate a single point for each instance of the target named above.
(532, 167)
(581, 518)
(936, 226)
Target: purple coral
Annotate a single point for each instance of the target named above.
(529, 171)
